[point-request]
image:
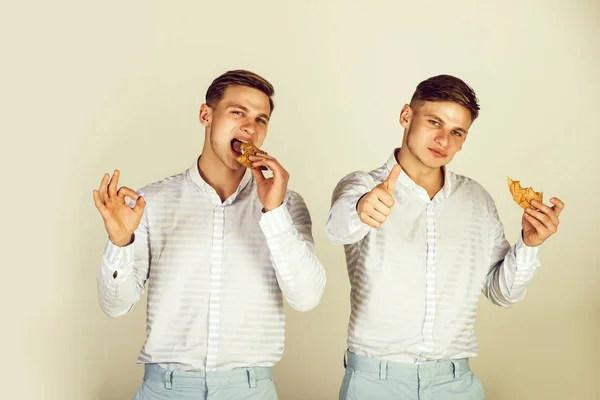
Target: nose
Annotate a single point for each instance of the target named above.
(249, 126)
(442, 138)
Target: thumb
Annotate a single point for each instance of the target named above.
(390, 182)
(140, 204)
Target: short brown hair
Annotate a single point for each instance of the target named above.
(240, 77)
(447, 88)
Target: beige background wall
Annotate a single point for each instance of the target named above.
(87, 87)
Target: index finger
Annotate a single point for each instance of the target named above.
(390, 182)
(385, 197)
(271, 163)
(125, 191)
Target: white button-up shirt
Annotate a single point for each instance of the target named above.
(416, 280)
(217, 271)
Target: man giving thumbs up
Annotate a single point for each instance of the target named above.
(421, 245)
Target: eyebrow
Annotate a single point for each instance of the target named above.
(459, 129)
(235, 105)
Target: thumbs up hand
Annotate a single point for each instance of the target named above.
(374, 207)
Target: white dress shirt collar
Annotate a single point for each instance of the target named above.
(194, 173)
(408, 183)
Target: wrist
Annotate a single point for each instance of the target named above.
(122, 241)
(526, 241)
(358, 202)
(267, 208)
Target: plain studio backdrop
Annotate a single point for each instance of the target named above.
(88, 87)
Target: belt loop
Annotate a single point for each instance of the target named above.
(455, 369)
(251, 377)
(345, 355)
(383, 365)
(169, 380)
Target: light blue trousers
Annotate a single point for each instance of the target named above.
(372, 379)
(239, 384)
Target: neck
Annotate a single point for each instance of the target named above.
(430, 179)
(224, 180)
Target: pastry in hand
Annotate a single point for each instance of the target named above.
(523, 196)
(245, 150)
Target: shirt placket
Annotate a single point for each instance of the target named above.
(431, 281)
(216, 268)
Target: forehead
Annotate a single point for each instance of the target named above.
(248, 97)
(452, 113)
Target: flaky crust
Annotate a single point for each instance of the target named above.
(248, 149)
(523, 196)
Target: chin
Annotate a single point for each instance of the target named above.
(435, 162)
(440, 162)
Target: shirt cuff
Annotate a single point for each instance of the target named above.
(526, 254)
(118, 258)
(276, 221)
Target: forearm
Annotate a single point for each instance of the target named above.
(118, 288)
(300, 275)
(343, 222)
(508, 278)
